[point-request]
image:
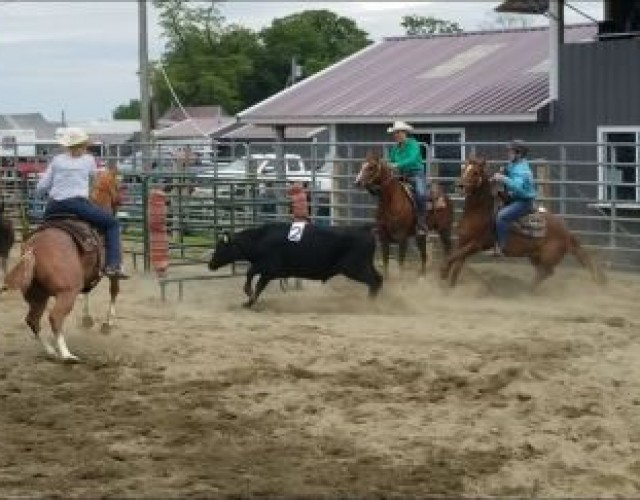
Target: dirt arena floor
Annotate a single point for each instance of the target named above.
(485, 391)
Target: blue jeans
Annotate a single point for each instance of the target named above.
(509, 214)
(95, 216)
(418, 181)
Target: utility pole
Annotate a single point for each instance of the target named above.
(295, 72)
(143, 61)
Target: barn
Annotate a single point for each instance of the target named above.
(570, 91)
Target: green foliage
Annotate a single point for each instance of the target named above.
(210, 62)
(129, 111)
(421, 25)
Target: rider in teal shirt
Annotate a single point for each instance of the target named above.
(406, 156)
(521, 189)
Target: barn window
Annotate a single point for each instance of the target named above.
(444, 149)
(619, 164)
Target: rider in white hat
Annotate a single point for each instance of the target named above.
(66, 182)
(405, 155)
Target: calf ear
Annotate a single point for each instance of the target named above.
(223, 238)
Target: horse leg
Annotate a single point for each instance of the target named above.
(445, 240)
(114, 290)
(456, 261)
(37, 304)
(421, 243)
(262, 283)
(384, 244)
(543, 271)
(87, 320)
(3, 267)
(402, 254)
(61, 309)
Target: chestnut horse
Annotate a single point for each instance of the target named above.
(396, 214)
(53, 264)
(476, 232)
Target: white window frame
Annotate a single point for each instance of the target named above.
(602, 157)
(433, 131)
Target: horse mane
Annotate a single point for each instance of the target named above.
(483, 194)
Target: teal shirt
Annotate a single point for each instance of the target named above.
(407, 157)
(519, 182)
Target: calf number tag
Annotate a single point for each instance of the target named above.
(296, 230)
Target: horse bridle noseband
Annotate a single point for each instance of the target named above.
(376, 177)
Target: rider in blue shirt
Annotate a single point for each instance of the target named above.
(521, 190)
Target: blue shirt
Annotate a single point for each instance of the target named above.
(519, 182)
(68, 177)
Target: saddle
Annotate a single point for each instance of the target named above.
(86, 237)
(440, 201)
(533, 225)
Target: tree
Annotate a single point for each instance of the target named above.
(208, 62)
(421, 25)
(316, 38)
(129, 111)
(205, 61)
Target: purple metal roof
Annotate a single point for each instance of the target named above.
(466, 76)
(268, 133)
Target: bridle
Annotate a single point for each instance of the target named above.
(375, 178)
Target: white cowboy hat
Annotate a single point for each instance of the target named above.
(398, 125)
(72, 136)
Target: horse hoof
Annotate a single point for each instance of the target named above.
(247, 305)
(70, 359)
(87, 322)
(105, 328)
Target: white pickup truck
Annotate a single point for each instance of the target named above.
(264, 167)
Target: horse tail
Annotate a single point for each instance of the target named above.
(21, 275)
(586, 261)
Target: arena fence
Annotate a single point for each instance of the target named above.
(214, 188)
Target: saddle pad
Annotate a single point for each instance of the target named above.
(296, 231)
(85, 236)
(533, 225)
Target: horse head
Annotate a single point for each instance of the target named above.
(373, 172)
(474, 175)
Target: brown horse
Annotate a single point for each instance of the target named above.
(476, 232)
(62, 259)
(396, 214)
(106, 194)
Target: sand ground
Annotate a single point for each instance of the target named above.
(487, 390)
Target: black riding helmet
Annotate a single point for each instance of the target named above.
(518, 147)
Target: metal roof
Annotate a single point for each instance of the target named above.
(44, 129)
(473, 76)
(257, 132)
(193, 128)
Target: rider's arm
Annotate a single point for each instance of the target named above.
(46, 181)
(520, 181)
(93, 171)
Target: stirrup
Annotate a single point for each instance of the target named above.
(115, 273)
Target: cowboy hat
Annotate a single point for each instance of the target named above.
(398, 125)
(73, 136)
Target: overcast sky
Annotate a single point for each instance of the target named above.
(82, 56)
